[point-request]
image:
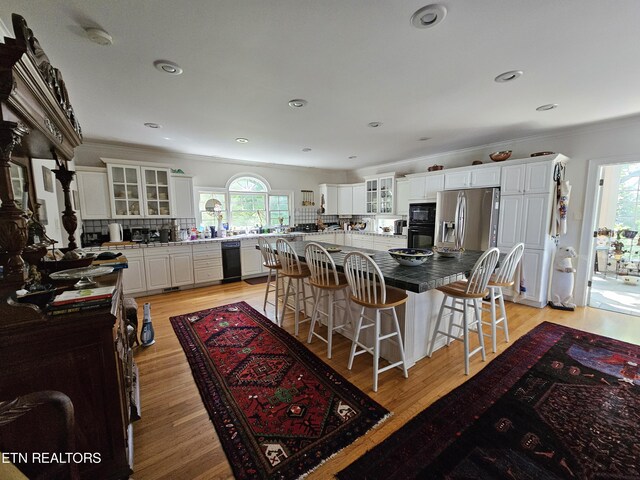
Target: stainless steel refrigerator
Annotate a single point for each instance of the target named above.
(468, 218)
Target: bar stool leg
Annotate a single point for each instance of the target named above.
(330, 305)
(286, 299)
(400, 343)
(376, 351)
(452, 320)
(492, 299)
(277, 292)
(314, 315)
(465, 338)
(437, 327)
(505, 325)
(266, 292)
(355, 339)
(478, 314)
(296, 313)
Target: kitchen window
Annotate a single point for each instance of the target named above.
(246, 203)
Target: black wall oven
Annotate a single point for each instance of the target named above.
(422, 225)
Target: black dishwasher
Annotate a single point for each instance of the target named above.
(231, 268)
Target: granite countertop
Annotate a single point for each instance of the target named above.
(435, 272)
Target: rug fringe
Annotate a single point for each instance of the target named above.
(373, 427)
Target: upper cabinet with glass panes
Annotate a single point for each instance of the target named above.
(157, 194)
(139, 191)
(380, 194)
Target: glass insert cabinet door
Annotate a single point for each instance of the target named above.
(372, 196)
(124, 184)
(157, 192)
(386, 195)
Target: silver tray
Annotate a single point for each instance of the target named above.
(84, 274)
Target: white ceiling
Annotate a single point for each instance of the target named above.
(354, 61)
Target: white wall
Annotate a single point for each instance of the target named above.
(214, 172)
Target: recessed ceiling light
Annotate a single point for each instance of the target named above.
(548, 106)
(424, 139)
(99, 36)
(352, 157)
(168, 67)
(297, 103)
(374, 124)
(508, 76)
(242, 140)
(428, 16)
(152, 125)
(306, 149)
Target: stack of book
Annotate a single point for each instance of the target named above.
(73, 301)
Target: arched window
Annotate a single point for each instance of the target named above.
(247, 203)
(247, 184)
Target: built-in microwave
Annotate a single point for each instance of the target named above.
(421, 231)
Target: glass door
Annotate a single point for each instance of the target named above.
(372, 196)
(386, 195)
(125, 191)
(156, 188)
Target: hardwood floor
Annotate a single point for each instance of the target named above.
(175, 438)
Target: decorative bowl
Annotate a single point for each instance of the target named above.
(540, 154)
(476, 162)
(410, 257)
(435, 168)
(500, 156)
(448, 252)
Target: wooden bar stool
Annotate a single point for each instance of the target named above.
(326, 281)
(368, 290)
(502, 278)
(466, 294)
(270, 261)
(296, 272)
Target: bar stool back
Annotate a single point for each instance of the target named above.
(466, 294)
(503, 277)
(326, 281)
(270, 261)
(296, 271)
(368, 289)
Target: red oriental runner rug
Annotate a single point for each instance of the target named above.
(279, 411)
(558, 404)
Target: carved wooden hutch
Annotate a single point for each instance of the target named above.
(84, 356)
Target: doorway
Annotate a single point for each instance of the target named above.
(615, 279)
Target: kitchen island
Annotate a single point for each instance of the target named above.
(417, 317)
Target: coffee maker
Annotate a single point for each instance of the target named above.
(397, 226)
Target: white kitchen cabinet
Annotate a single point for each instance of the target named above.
(330, 194)
(359, 199)
(125, 191)
(339, 238)
(207, 262)
(133, 277)
(181, 264)
(167, 267)
(93, 191)
(477, 177)
(527, 178)
(250, 258)
(402, 197)
(347, 239)
(157, 271)
(183, 200)
(524, 218)
(417, 187)
(345, 199)
(380, 192)
(139, 191)
(384, 243)
(362, 241)
(156, 192)
(433, 183)
(322, 237)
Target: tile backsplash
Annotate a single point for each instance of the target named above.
(101, 226)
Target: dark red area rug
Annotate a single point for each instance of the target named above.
(559, 403)
(278, 410)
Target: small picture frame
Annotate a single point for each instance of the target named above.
(42, 212)
(47, 179)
